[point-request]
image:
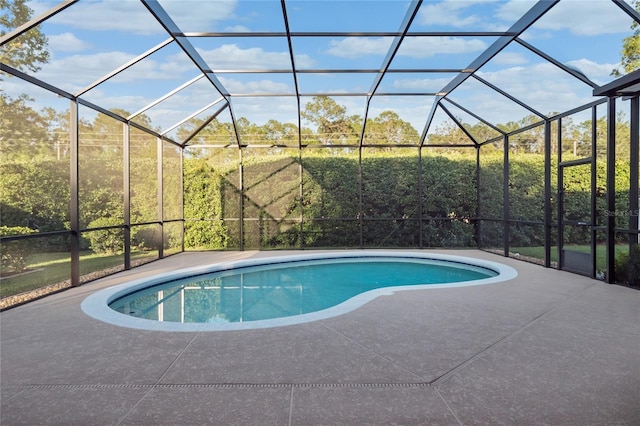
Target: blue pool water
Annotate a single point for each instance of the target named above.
(277, 290)
(286, 289)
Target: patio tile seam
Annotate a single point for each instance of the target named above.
(291, 405)
(444, 401)
(5, 399)
(287, 385)
(166, 371)
(580, 325)
(360, 345)
(510, 335)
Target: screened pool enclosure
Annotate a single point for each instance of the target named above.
(133, 130)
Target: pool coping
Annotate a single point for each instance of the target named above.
(96, 305)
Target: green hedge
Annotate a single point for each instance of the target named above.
(14, 254)
(328, 210)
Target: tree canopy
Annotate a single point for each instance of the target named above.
(29, 50)
(630, 53)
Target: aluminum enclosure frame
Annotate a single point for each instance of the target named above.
(627, 86)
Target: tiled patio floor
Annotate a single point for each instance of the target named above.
(545, 348)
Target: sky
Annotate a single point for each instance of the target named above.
(91, 38)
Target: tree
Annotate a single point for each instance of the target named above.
(448, 133)
(215, 133)
(630, 53)
(280, 133)
(248, 132)
(332, 121)
(22, 129)
(27, 51)
(20, 124)
(389, 128)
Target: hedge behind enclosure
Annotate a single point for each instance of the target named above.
(313, 200)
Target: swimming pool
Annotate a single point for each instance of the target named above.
(281, 290)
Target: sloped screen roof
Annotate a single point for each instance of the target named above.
(177, 63)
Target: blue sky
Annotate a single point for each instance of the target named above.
(91, 38)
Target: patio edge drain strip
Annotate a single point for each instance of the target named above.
(220, 385)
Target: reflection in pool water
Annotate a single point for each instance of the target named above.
(285, 289)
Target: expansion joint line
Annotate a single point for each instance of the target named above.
(533, 321)
(221, 385)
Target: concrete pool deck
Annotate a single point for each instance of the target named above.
(548, 347)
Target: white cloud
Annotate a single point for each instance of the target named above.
(357, 47)
(40, 7)
(163, 115)
(257, 86)
(598, 73)
(509, 58)
(74, 72)
(415, 111)
(199, 15)
(237, 29)
(129, 103)
(420, 84)
(585, 18)
(423, 47)
(449, 13)
(66, 42)
(556, 92)
(230, 56)
(261, 110)
(513, 10)
(132, 17)
(126, 16)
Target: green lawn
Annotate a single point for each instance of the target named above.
(538, 252)
(52, 268)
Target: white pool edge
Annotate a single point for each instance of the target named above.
(97, 304)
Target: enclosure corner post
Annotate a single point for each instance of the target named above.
(478, 222)
(126, 191)
(611, 191)
(505, 195)
(241, 186)
(74, 201)
(594, 189)
(634, 197)
(182, 221)
(160, 197)
(360, 199)
(547, 194)
(420, 198)
(301, 195)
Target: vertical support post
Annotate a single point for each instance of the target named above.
(611, 191)
(182, 199)
(560, 198)
(126, 192)
(547, 193)
(478, 230)
(634, 159)
(301, 194)
(505, 196)
(360, 199)
(594, 172)
(241, 210)
(420, 198)
(160, 196)
(74, 201)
